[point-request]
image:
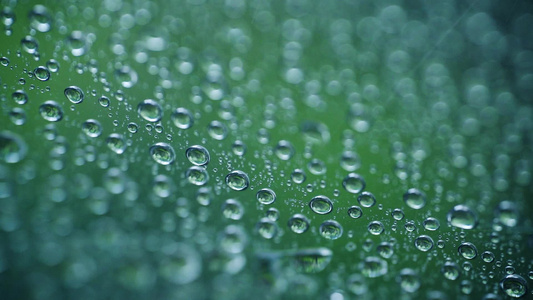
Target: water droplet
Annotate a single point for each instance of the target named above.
(316, 167)
(74, 94)
(298, 176)
(266, 196)
(462, 217)
(321, 205)
(330, 230)
(355, 212)
(315, 132)
(181, 264)
(197, 155)
(298, 223)
(42, 73)
(424, 243)
(18, 116)
(366, 199)
(284, 150)
(354, 183)
(267, 228)
(312, 260)
(217, 130)
(375, 227)
(12, 147)
(514, 286)
(409, 280)
(431, 224)
(373, 267)
(507, 213)
(232, 209)
(450, 270)
(40, 18)
(182, 118)
(51, 111)
(238, 148)
(397, 214)
(237, 180)
(20, 97)
(234, 239)
(4, 61)
(52, 65)
(487, 256)
(350, 161)
(150, 110)
(29, 44)
(414, 198)
(92, 128)
(197, 175)
(467, 250)
(116, 143)
(162, 153)
(272, 213)
(385, 250)
(77, 43)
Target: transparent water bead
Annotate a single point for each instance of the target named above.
(162, 153)
(462, 217)
(321, 205)
(237, 180)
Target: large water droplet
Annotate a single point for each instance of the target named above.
(507, 213)
(12, 147)
(321, 205)
(197, 155)
(514, 286)
(375, 227)
(298, 223)
(366, 199)
(74, 94)
(450, 270)
(330, 230)
(266, 196)
(92, 128)
(373, 267)
(237, 180)
(150, 110)
(267, 228)
(424, 243)
(462, 217)
(355, 212)
(414, 198)
(51, 111)
(42, 73)
(284, 150)
(116, 143)
(182, 118)
(409, 280)
(467, 250)
(354, 183)
(162, 153)
(232, 209)
(197, 175)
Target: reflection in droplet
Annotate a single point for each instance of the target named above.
(237, 180)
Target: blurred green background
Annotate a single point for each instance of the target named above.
(426, 95)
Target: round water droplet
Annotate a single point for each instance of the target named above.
(92, 128)
(284, 150)
(316, 167)
(507, 213)
(162, 186)
(366, 199)
(272, 213)
(197, 175)
(354, 183)
(431, 224)
(42, 73)
(77, 43)
(385, 250)
(197, 155)
(51, 111)
(321, 205)
(410, 226)
(267, 228)
(462, 217)
(355, 212)
(232, 209)
(375, 227)
(162, 153)
(298, 176)
(298, 223)
(330, 230)
(40, 18)
(237, 180)
(150, 110)
(450, 270)
(234, 239)
(20, 97)
(467, 250)
(350, 161)
(52, 65)
(397, 214)
(182, 265)
(29, 44)
(424, 243)
(514, 286)
(18, 116)
(487, 256)
(12, 147)
(266, 196)
(373, 267)
(74, 94)
(312, 260)
(104, 101)
(116, 143)
(132, 127)
(182, 118)
(238, 148)
(409, 280)
(217, 130)
(414, 198)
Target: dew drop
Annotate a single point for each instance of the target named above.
(198, 155)
(330, 230)
(298, 223)
(116, 143)
(266, 196)
(232, 209)
(355, 212)
(182, 118)
(431, 224)
(162, 153)
(51, 111)
(237, 180)
(462, 217)
(366, 199)
(42, 73)
(284, 150)
(267, 228)
(514, 286)
(150, 110)
(197, 175)
(467, 250)
(414, 198)
(321, 205)
(450, 270)
(92, 128)
(375, 227)
(354, 183)
(12, 147)
(424, 243)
